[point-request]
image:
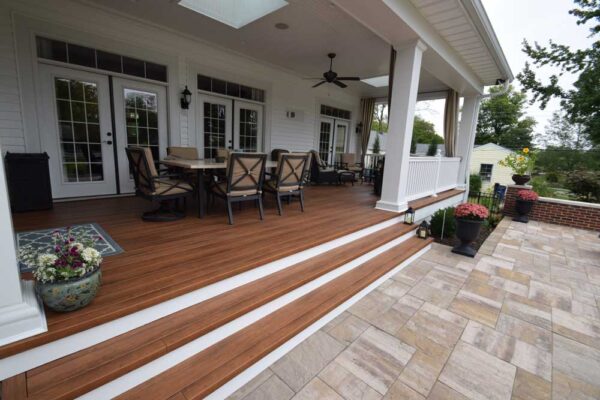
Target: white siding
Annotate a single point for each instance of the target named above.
(11, 126)
(185, 58)
(500, 174)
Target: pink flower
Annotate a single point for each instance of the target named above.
(527, 195)
(471, 211)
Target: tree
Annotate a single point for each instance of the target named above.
(432, 149)
(585, 184)
(380, 119)
(502, 120)
(562, 133)
(581, 103)
(424, 132)
(376, 144)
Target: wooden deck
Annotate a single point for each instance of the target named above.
(165, 260)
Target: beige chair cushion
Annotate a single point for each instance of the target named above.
(186, 153)
(222, 187)
(166, 187)
(270, 185)
(348, 158)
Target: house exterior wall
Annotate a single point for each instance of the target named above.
(555, 211)
(184, 56)
(500, 174)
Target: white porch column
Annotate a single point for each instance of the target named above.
(407, 70)
(466, 139)
(21, 315)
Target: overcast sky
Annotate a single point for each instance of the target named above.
(535, 20)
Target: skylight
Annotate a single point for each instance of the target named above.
(377, 81)
(235, 13)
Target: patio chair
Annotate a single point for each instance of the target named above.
(348, 162)
(244, 181)
(184, 153)
(163, 187)
(320, 172)
(276, 152)
(288, 180)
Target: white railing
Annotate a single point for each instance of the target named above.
(428, 176)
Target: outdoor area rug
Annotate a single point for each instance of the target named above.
(42, 240)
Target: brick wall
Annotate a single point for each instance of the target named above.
(555, 211)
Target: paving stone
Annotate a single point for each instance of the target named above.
(581, 329)
(443, 392)
(585, 310)
(576, 360)
(399, 391)
(508, 285)
(376, 358)
(490, 264)
(437, 287)
(414, 272)
(317, 389)
(305, 361)
(555, 295)
(476, 307)
(432, 330)
(272, 389)
(528, 386)
(528, 310)
(394, 288)
(509, 349)
(525, 331)
(565, 387)
(336, 321)
(251, 386)
(346, 384)
(422, 371)
(348, 330)
(469, 371)
(384, 311)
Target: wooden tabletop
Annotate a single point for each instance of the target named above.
(204, 164)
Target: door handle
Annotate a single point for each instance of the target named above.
(108, 142)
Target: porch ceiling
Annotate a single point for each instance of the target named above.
(316, 27)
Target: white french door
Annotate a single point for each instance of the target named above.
(248, 126)
(340, 139)
(214, 124)
(326, 139)
(140, 120)
(76, 131)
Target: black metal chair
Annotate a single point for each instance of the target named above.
(166, 188)
(244, 181)
(320, 172)
(288, 180)
(276, 152)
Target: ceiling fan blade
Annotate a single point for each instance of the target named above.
(348, 78)
(319, 84)
(340, 84)
(313, 79)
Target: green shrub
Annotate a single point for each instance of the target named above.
(474, 183)
(585, 184)
(542, 187)
(437, 221)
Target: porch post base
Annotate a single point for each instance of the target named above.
(390, 206)
(22, 320)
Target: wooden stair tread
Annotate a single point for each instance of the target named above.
(206, 371)
(99, 364)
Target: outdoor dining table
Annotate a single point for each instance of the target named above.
(199, 167)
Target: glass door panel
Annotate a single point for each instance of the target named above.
(213, 127)
(326, 139)
(75, 107)
(248, 127)
(341, 135)
(141, 120)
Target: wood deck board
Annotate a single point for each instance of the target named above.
(179, 328)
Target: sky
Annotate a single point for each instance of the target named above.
(514, 20)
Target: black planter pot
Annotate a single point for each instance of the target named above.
(523, 208)
(521, 179)
(467, 231)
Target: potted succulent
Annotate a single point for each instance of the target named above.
(469, 218)
(524, 204)
(68, 277)
(521, 163)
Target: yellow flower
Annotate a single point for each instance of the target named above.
(521, 158)
(526, 150)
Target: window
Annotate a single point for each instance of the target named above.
(215, 85)
(485, 172)
(335, 112)
(92, 58)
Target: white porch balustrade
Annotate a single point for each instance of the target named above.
(428, 176)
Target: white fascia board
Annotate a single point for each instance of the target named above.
(479, 17)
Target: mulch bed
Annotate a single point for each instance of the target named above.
(486, 230)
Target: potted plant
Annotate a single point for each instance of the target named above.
(68, 277)
(469, 218)
(524, 204)
(521, 163)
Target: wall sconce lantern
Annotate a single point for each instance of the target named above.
(423, 231)
(409, 216)
(186, 98)
(359, 128)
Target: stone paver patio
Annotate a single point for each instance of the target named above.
(520, 321)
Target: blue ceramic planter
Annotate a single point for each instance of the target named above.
(70, 295)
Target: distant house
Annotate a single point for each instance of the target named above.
(484, 162)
